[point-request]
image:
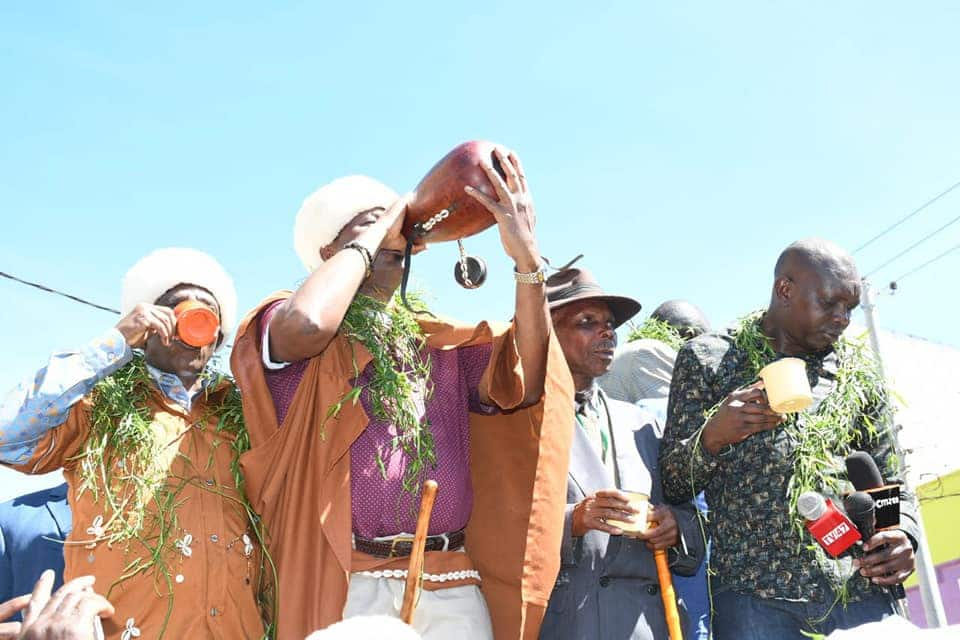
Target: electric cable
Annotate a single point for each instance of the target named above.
(42, 287)
(913, 246)
(926, 264)
(907, 217)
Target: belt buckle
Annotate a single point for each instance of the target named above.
(446, 541)
(395, 541)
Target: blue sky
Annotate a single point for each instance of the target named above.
(679, 145)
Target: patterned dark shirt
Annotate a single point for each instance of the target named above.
(756, 549)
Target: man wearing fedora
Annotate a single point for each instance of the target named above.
(607, 586)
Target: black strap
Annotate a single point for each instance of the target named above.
(407, 253)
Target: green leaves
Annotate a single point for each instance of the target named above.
(400, 378)
(822, 436)
(118, 464)
(655, 329)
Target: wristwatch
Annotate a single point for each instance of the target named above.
(534, 277)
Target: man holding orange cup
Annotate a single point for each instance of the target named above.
(149, 437)
(615, 520)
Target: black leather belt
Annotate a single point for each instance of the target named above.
(401, 546)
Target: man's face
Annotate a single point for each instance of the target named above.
(586, 334)
(819, 308)
(179, 357)
(387, 262)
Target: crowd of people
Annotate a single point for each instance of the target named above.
(282, 502)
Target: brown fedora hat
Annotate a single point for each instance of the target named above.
(574, 284)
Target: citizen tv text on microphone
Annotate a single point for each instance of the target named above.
(865, 476)
(827, 524)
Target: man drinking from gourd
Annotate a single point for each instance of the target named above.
(353, 401)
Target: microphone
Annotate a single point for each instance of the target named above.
(859, 507)
(865, 476)
(827, 524)
(864, 507)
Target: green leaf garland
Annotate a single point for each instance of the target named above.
(400, 377)
(118, 465)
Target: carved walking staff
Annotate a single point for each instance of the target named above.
(669, 597)
(411, 591)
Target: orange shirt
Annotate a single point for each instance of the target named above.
(205, 583)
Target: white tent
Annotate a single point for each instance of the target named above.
(926, 378)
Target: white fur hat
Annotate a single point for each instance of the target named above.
(328, 209)
(161, 270)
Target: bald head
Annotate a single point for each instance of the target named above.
(816, 287)
(817, 256)
(687, 318)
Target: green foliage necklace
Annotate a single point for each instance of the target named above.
(818, 434)
(831, 429)
(654, 329)
(120, 465)
(399, 379)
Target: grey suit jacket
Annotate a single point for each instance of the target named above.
(607, 586)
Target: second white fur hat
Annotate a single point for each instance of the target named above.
(326, 211)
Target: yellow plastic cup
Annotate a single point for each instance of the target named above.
(788, 389)
(640, 502)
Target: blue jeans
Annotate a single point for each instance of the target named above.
(742, 617)
(693, 590)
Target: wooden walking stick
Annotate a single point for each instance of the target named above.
(669, 597)
(411, 591)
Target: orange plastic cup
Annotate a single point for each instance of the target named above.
(197, 324)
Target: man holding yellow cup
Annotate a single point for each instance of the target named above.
(615, 520)
(765, 411)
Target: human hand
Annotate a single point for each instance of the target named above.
(386, 232)
(145, 319)
(513, 210)
(664, 531)
(66, 615)
(11, 630)
(741, 414)
(593, 512)
(888, 558)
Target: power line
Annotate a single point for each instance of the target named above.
(70, 296)
(925, 264)
(905, 218)
(59, 293)
(913, 246)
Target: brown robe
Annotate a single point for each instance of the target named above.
(298, 479)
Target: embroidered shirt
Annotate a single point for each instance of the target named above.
(210, 559)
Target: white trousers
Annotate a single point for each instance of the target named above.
(458, 612)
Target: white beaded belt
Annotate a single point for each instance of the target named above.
(466, 574)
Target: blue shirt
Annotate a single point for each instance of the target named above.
(43, 402)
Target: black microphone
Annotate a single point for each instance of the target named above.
(860, 510)
(871, 501)
(863, 471)
(865, 476)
